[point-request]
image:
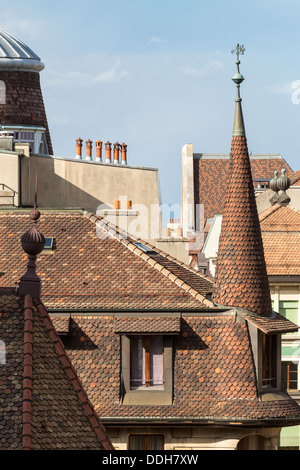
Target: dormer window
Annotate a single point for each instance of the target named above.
(2, 352)
(147, 362)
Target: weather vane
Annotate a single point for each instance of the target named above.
(239, 50)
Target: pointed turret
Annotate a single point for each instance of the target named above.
(241, 277)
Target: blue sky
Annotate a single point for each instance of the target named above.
(157, 75)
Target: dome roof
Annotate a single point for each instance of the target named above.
(14, 54)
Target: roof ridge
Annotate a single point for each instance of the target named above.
(295, 177)
(268, 211)
(158, 250)
(88, 408)
(27, 375)
(115, 232)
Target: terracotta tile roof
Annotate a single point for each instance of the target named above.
(147, 324)
(280, 226)
(43, 405)
(214, 374)
(241, 277)
(188, 278)
(211, 179)
(98, 266)
(61, 324)
(282, 253)
(295, 178)
(280, 219)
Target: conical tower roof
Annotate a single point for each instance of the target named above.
(241, 277)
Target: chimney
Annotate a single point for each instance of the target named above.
(99, 151)
(89, 144)
(117, 205)
(116, 152)
(108, 152)
(78, 149)
(124, 154)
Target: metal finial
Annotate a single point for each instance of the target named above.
(239, 50)
(238, 125)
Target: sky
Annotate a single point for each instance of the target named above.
(156, 74)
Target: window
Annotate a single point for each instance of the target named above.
(289, 310)
(2, 92)
(147, 442)
(269, 360)
(147, 369)
(35, 137)
(2, 353)
(146, 361)
(49, 243)
(290, 375)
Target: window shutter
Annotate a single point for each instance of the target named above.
(156, 360)
(137, 362)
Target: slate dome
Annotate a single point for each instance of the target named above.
(15, 55)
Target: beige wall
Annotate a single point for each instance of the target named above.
(9, 179)
(178, 248)
(67, 183)
(196, 437)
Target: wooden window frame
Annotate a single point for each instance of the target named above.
(147, 395)
(146, 344)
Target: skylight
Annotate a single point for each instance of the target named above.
(49, 243)
(145, 248)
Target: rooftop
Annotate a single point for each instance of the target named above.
(43, 404)
(99, 266)
(280, 226)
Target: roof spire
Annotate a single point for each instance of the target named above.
(32, 243)
(241, 276)
(238, 126)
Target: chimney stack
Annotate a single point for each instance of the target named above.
(99, 151)
(108, 152)
(89, 150)
(116, 152)
(78, 149)
(124, 154)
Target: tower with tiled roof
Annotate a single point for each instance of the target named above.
(241, 277)
(22, 110)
